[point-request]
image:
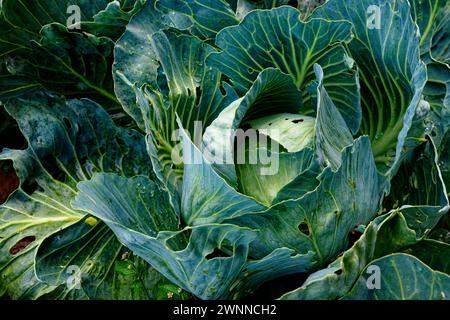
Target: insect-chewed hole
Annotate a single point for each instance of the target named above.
(217, 253)
(180, 241)
(21, 244)
(30, 188)
(297, 121)
(354, 236)
(303, 227)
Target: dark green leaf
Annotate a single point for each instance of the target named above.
(139, 214)
(403, 277)
(278, 38)
(67, 142)
(384, 235)
(392, 74)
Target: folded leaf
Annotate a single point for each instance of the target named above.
(289, 167)
(427, 15)
(170, 78)
(44, 47)
(321, 220)
(273, 92)
(278, 38)
(419, 191)
(138, 213)
(106, 269)
(205, 191)
(439, 47)
(391, 72)
(403, 277)
(67, 142)
(384, 235)
(332, 134)
(433, 253)
(111, 21)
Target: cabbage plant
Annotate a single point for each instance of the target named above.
(200, 149)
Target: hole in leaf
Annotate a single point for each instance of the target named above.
(297, 121)
(224, 79)
(217, 253)
(304, 228)
(67, 123)
(198, 95)
(179, 242)
(222, 90)
(21, 245)
(30, 187)
(338, 272)
(354, 236)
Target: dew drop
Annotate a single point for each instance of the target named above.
(423, 108)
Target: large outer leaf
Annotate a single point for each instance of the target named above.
(25, 19)
(106, 269)
(439, 48)
(67, 142)
(205, 192)
(321, 220)
(384, 235)
(425, 13)
(11, 83)
(73, 64)
(66, 62)
(430, 16)
(278, 38)
(418, 184)
(138, 212)
(433, 253)
(203, 18)
(24, 222)
(419, 190)
(392, 74)
(169, 76)
(403, 277)
(134, 64)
